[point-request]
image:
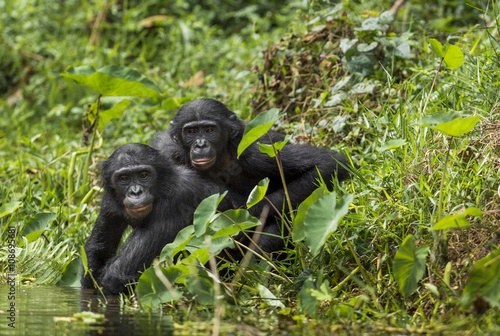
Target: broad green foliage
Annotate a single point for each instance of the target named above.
(451, 54)
(258, 193)
(113, 81)
(322, 218)
(457, 220)
(299, 230)
(409, 265)
(9, 208)
(484, 281)
(450, 123)
(269, 298)
(258, 127)
(392, 144)
(204, 213)
(275, 148)
(156, 286)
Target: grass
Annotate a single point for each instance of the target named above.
(400, 190)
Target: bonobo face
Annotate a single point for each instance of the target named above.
(134, 184)
(203, 138)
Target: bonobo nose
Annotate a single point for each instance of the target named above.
(201, 143)
(136, 191)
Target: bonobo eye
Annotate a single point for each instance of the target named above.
(144, 175)
(191, 130)
(209, 130)
(123, 179)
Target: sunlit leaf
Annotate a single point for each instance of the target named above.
(272, 150)
(457, 220)
(256, 128)
(299, 232)
(111, 108)
(453, 56)
(9, 208)
(204, 213)
(435, 119)
(258, 193)
(268, 297)
(180, 242)
(152, 290)
(39, 222)
(392, 144)
(483, 281)
(436, 47)
(458, 126)
(113, 81)
(409, 265)
(322, 219)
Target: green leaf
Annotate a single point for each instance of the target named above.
(71, 275)
(180, 242)
(436, 119)
(322, 219)
(409, 265)
(111, 108)
(458, 127)
(436, 47)
(201, 286)
(457, 220)
(307, 302)
(392, 144)
(154, 289)
(268, 297)
(258, 193)
(204, 213)
(39, 222)
(9, 208)
(484, 281)
(453, 56)
(299, 232)
(113, 81)
(272, 150)
(256, 128)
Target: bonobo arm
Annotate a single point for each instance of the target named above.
(103, 241)
(301, 164)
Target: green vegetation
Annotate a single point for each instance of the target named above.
(409, 94)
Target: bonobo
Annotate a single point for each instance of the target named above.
(156, 198)
(204, 136)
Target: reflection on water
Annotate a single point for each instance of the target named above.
(48, 311)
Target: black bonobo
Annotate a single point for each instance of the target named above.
(155, 197)
(204, 136)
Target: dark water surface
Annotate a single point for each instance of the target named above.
(50, 310)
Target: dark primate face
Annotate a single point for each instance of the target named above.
(205, 128)
(134, 184)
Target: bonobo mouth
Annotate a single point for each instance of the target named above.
(140, 212)
(203, 164)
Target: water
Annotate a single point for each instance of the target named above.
(51, 311)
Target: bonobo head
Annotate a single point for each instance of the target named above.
(131, 174)
(207, 130)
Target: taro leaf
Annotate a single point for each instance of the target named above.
(457, 220)
(484, 281)
(152, 291)
(299, 232)
(435, 119)
(111, 108)
(307, 302)
(392, 144)
(9, 208)
(458, 126)
(180, 242)
(256, 128)
(201, 286)
(204, 213)
(270, 151)
(269, 298)
(258, 193)
(71, 275)
(453, 56)
(409, 265)
(322, 219)
(39, 222)
(231, 222)
(436, 47)
(113, 81)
